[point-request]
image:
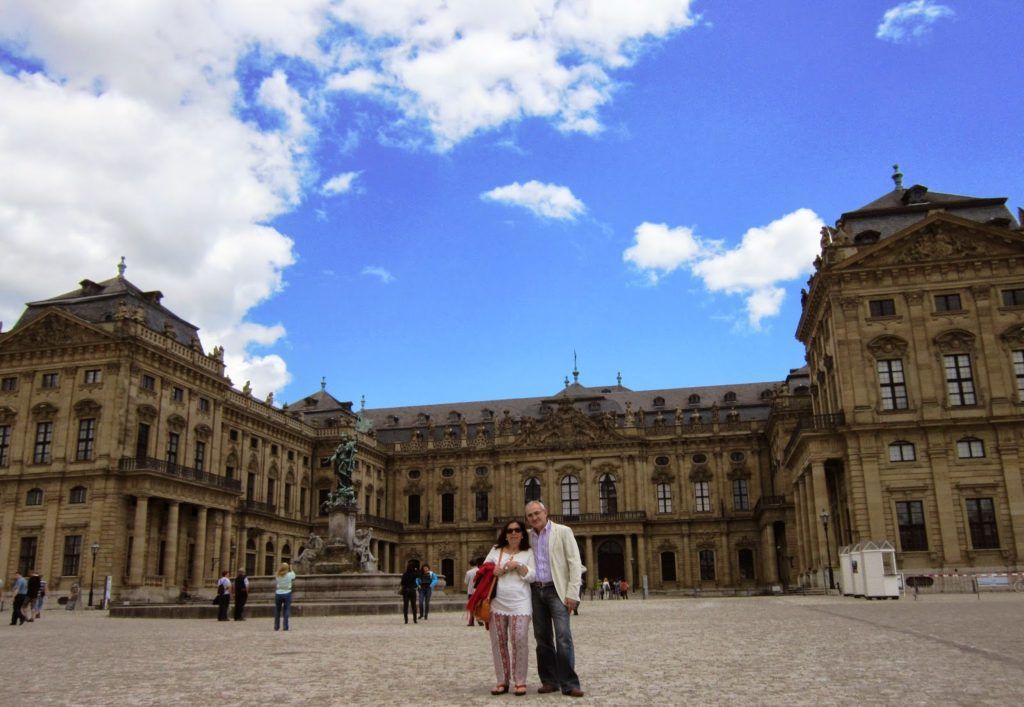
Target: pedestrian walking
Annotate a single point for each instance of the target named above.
(410, 579)
(223, 596)
(427, 582)
(35, 583)
(19, 590)
(241, 593)
(474, 567)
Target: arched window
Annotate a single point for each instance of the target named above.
(970, 448)
(77, 495)
(745, 560)
(448, 570)
(902, 451)
(609, 496)
(693, 399)
(531, 490)
(286, 553)
(250, 557)
(34, 497)
(730, 397)
(664, 497)
(570, 496)
(659, 402)
(269, 566)
(707, 565)
(668, 566)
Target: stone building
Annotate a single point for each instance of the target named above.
(126, 451)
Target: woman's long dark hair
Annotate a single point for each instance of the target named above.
(503, 535)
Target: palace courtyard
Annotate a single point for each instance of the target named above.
(764, 650)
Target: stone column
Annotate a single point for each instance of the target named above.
(629, 560)
(199, 560)
(820, 500)
(641, 555)
(225, 544)
(137, 572)
(591, 564)
(770, 554)
(948, 509)
(171, 545)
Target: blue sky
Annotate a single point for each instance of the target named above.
(434, 202)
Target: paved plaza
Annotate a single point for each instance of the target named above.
(765, 650)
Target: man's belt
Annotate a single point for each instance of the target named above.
(541, 585)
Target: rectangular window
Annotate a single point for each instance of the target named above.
(892, 384)
(482, 511)
(287, 498)
(72, 555)
(233, 435)
(273, 451)
(414, 509)
(173, 440)
(740, 495)
(142, 441)
(321, 500)
(9, 384)
(970, 448)
(27, 554)
(1014, 297)
(229, 472)
(948, 303)
(86, 439)
(1018, 373)
(664, 491)
(291, 455)
(447, 507)
(5, 445)
(44, 440)
(702, 496)
(959, 379)
(93, 375)
(910, 519)
(302, 500)
(177, 394)
(200, 460)
(271, 491)
(981, 516)
(254, 443)
(882, 307)
(51, 380)
(250, 486)
(204, 405)
(148, 382)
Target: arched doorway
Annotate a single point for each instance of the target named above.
(611, 562)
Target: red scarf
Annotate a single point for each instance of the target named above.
(484, 578)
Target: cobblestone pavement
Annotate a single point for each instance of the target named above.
(769, 650)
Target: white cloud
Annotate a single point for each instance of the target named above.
(782, 251)
(339, 184)
(544, 200)
(462, 67)
(911, 20)
(658, 250)
(376, 271)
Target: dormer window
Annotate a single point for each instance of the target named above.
(730, 397)
(693, 399)
(867, 237)
(392, 420)
(454, 417)
(659, 402)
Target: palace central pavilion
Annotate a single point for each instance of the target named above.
(126, 452)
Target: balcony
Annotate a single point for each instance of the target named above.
(247, 506)
(769, 502)
(621, 517)
(814, 423)
(377, 522)
(162, 466)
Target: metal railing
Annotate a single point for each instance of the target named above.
(182, 472)
(766, 502)
(378, 522)
(257, 506)
(623, 516)
(814, 423)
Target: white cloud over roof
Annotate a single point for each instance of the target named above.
(911, 20)
(782, 251)
(544, 200)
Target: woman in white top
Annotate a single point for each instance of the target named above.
(511, 607)
(283, 595)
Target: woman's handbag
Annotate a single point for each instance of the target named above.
(482, 612)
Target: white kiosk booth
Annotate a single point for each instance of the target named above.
(872, 570)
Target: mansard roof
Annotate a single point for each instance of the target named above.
(900, 208)
(97, 302)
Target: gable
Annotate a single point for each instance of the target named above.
(940, 238)
(53, 329)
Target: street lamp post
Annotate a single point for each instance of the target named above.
(828, 549)
(95, 547)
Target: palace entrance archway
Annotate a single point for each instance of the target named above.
(611, 562)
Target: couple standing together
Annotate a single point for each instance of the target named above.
(538, 575)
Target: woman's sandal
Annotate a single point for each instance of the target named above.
(500, 689)
(520, 691)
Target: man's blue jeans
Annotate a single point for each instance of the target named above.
(282, 605)
(425, 593)
(556, 661)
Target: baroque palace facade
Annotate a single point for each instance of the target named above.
(126, 452)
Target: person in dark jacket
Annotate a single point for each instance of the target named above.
(410, 579)
(241, 593)
(223, 596)
(35, 585)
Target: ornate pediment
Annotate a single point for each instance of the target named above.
(1014, 336)
(565, 427)
(955, 341)
(87, 408)
(53, 329)
(887, 346)
(7, 414)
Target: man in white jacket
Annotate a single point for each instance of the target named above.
(556, 592)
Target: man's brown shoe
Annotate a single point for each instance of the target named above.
(544, 689)
(575, 692)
